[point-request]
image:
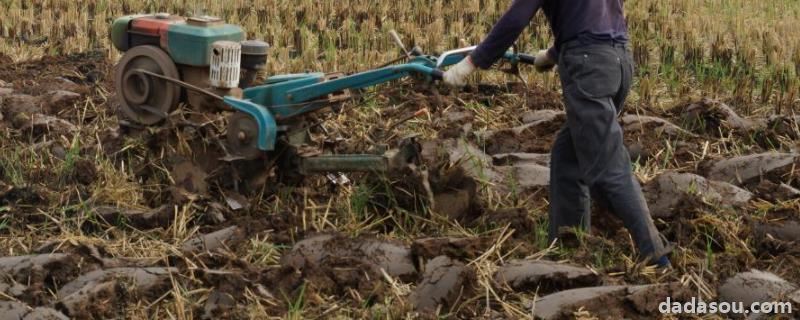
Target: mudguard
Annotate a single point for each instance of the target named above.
(267, 127)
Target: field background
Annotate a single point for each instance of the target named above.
(745, 51)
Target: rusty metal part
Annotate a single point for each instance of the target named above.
(242, 136)
(142, 98)
(201, 101)
(389, 161)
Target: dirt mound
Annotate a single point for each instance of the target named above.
(610, 302)
(162, 217)
(788, 231)
(776, 192)
(775, 238)
(30, 277)
(510, 159)
(454, 248)
(317, 251)
(751, 168)
(647, 136)
(217, 240)
(671, 192)
(139, 219)
(518, 219)
(536, 135)
(755, 286)
(544, 276)
(14, 310)
(97, 293)
(443, 282)
(505, 172)
(712, 117)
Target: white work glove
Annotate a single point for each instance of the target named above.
(457, 75)
(544, 62)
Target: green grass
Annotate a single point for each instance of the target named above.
(296, 305)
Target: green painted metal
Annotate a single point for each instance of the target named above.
(267, 127)
(191, 45)
(294, 94)
(274, 96)
(290, 77)
(358, 81)
(119, 32)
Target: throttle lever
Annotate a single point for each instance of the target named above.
(399, 43)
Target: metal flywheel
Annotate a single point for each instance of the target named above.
(142, 98)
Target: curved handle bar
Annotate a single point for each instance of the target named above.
(526, 58)
(442, 60)
(437, 74)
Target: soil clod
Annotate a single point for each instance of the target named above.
(610, 302)
(214, 241)
(713, 117)
(750, 168)
(443, 281)
(670, 192)
(755, 286)
(535, 136)
(140, 219)
(15, 310)
(511, 159)
(37, 125)
(98, 294)
(454, 248)
(544, 276)
(314, 251)
(218, 305)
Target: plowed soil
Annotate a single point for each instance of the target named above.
(102, 218)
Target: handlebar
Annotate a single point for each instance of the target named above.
(526, 58)
(441, 60)
(438, 74)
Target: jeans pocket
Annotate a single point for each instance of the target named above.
(597, 73)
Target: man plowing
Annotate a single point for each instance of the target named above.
(596, 70)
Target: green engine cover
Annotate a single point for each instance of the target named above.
(119, 32)
(191, 44)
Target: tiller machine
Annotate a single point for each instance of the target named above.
(208, 65)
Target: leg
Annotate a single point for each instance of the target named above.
(595, 78)
(569, 199)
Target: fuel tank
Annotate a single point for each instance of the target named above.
(187, 40)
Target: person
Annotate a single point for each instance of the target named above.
(588, 157)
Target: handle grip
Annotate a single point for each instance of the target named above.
(526, 58)
(437, 74)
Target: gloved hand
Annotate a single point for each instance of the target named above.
(544, 62)
(457, 75)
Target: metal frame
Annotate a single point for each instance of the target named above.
(286, 96)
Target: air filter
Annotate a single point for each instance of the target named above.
(225, 64)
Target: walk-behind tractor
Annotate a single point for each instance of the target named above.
(208, 65)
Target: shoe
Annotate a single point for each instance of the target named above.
(663, 264)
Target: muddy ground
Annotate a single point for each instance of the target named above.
(100, 218)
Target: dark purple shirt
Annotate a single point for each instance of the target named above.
(589, 21)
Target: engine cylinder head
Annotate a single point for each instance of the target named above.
(225, 64)
(254, 54)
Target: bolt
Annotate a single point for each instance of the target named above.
(242, 136)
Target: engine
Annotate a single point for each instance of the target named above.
(206, 52)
